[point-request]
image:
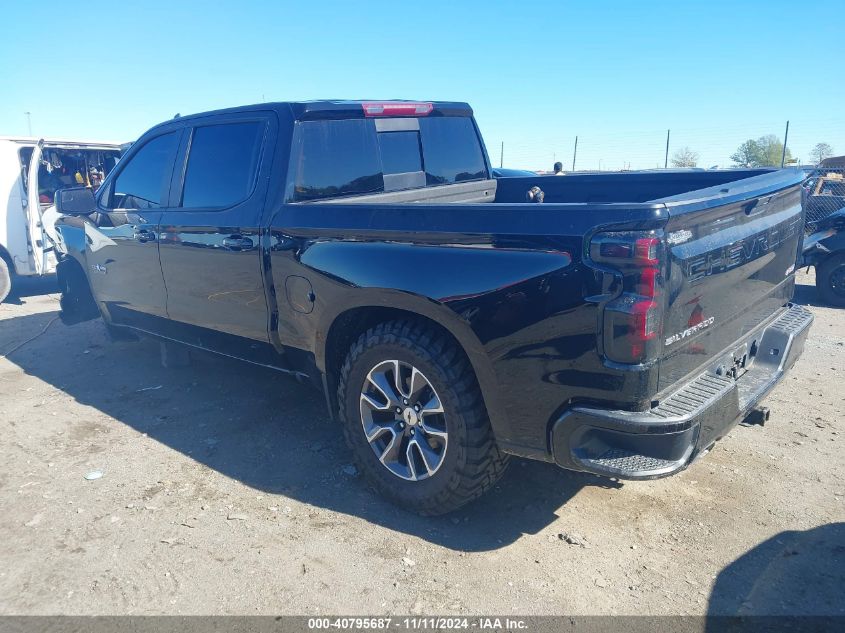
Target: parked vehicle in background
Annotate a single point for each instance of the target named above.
(619, 328)
(823, 193)
(824, 249)
(31, 171)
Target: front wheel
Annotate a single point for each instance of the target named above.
(830, 280)
(414, 419)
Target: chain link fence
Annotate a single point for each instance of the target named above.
(823, 192)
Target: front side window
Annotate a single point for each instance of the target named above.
(335, 158)
(222, 164)
(143, 181)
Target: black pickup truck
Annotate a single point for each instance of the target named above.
(620, 327)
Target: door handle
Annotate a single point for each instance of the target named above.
(237, 243)
(145, 236)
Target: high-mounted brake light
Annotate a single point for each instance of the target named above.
(394, 108)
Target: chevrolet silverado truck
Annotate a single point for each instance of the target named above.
(617, 324)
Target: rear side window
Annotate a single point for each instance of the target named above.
(451, 150)
(142, 183)
(335, 158)
(222, 164)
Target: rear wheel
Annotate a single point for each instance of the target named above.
(413, 416)
(5, 280)
(830, 280)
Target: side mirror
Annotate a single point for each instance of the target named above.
(75, 201)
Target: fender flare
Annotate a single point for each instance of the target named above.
(429, 309)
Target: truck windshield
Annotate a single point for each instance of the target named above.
(336, 158)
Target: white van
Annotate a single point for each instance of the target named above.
(31, 170)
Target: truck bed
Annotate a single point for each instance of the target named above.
(606, 188)
(470, 253)
(619, 187)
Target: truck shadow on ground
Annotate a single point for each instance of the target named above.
(791, 574)
(23, 287)
(806, 295)
(268, 431)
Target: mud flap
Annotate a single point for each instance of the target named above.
(77, 302)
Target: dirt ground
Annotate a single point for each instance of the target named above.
(226, 490)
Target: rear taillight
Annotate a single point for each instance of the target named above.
(633, 319)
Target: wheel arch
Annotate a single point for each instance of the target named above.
(77, 301)
(828, 295)
(344, 328)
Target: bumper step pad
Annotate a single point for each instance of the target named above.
(665, 439)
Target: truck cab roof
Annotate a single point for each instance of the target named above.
(347, 109)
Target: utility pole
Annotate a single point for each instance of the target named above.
(785, 138)
(666, 158)
(575, 153)
(29, 122)
(502, 156)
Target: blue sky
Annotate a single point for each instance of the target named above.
(617, 74)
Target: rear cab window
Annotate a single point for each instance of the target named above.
(452, 150)
(347, 157)
(335, 158)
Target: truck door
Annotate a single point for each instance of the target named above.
(122, 243)
(210, 235)
(33, 211)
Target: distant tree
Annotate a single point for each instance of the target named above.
(821, 151)
(684, 157)
(765, 151)
(746, 154)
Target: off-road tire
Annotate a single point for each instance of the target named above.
(5, 280)
(472, 462)
(833, 266)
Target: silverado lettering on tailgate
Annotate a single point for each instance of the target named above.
(741, 251)
(690, 331)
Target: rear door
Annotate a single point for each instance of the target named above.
(732, 255)
(122, 242)
(210, 235)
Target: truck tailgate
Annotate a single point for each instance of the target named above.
(732, 253)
